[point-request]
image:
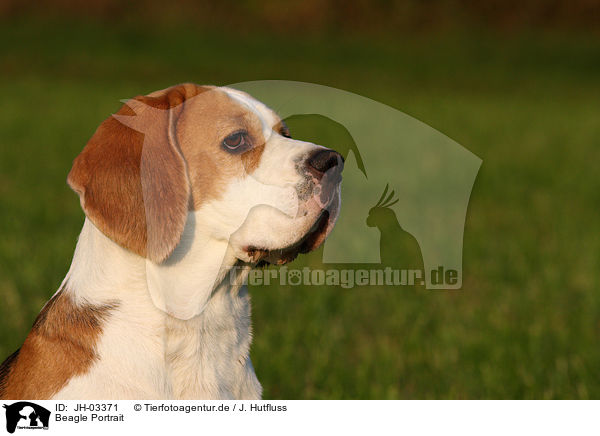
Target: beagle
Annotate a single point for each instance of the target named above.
(184, 191)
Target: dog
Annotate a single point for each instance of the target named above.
(184, 190)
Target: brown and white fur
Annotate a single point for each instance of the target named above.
(184, 190)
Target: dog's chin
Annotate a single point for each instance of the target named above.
(316, 235)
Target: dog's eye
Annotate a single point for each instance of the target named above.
(284, 131)
(236, 142)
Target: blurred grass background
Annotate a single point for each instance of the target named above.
(516, 83)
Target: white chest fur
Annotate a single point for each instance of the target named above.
(144, 353)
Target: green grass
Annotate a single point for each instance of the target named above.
(526, 323)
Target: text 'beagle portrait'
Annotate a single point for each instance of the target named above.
(184, 191)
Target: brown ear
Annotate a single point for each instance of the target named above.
(131, 176)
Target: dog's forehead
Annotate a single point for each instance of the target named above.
(268, 118)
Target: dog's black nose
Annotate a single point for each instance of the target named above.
(323, 160)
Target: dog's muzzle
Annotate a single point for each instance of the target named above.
(320, 194)
(326, 167)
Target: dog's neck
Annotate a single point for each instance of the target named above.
(180, 286)
(145, 352)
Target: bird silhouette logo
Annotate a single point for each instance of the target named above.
(397, 247)
(26, 415)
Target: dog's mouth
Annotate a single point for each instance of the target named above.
(309, 242)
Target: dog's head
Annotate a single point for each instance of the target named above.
(210, 158)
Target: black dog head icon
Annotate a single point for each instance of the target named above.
(33, 413)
